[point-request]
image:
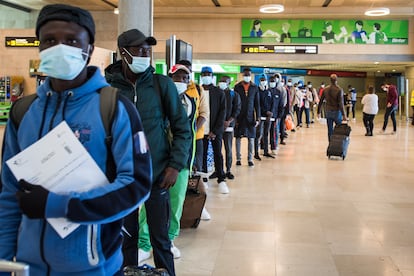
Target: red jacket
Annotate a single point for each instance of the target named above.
(392, 95)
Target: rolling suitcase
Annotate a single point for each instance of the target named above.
(19, 269)
(195, 199)
(338, 146)
(339, 141)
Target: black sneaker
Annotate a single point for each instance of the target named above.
(213, 175)
(238, 163)
(229, 175)
(269, 155)
(251, 164)
(257, 157)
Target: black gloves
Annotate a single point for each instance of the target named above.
(32, 199)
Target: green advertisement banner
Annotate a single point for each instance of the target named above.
(324, 31)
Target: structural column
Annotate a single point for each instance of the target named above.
(135, 14)
(409, 75)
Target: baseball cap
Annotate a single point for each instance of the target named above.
(134, 37)
(67, 13)
(206, 69)
(177, 67)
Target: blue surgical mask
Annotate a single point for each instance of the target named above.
(207, 80)
(272, 84)
(181, 87)
(222, 85)
(139, 64)
(247, 78)
(62, 61)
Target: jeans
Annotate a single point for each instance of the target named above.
(158, 213)
(306, 114)
(331, 117)
(353, 104)
(250, 146)
(228, 146)
(274, 134)
(259, 136)
(390, 111)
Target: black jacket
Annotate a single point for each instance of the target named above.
(233, 105)
(217, 103)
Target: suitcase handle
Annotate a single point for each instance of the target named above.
(20, 269)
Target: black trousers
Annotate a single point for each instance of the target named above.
(218, 156)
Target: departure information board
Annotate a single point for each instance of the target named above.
(22, 42)
(279, 49)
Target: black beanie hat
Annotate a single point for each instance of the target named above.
(67, 13)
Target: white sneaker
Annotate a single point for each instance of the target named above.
(223, 189)
(274, 152)
(143, 255)
(205, 215)
(205, 183)
(175, 251)
(393, 133)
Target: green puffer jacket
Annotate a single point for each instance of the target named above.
(150, 105)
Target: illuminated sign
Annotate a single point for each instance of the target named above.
(279, 49)
(22, 42)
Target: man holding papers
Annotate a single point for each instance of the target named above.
(70, 97)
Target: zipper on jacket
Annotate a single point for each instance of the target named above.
(42, 248)
(59, 100)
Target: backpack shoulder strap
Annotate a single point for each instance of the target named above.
(108, 105)
(19, 108)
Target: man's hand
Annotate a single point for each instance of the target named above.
(170, 176)
(226, 124)
(32, 199)
(211, 135)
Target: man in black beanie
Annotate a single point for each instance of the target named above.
(88, 240)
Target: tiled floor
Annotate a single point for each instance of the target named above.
(302, 214)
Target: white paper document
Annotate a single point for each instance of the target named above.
(61, 164)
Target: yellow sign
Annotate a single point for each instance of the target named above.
(22, 42)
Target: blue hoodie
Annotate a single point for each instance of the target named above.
(94, 248)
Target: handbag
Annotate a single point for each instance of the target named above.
(289, 123)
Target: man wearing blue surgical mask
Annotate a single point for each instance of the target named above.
(214, 127)
(156, 98)
(249, 115)
(72, 93)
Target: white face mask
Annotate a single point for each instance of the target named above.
(263, 84)
(247, 78)
(309, 85)
(289, 83)
(272, 84)
(323, 85)
(62, 61)
(222, 85)
(181, 87)
(139, 64)
(207, 80)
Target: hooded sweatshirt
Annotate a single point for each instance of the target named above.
(94, 248)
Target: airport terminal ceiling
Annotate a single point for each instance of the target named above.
(298, 9)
